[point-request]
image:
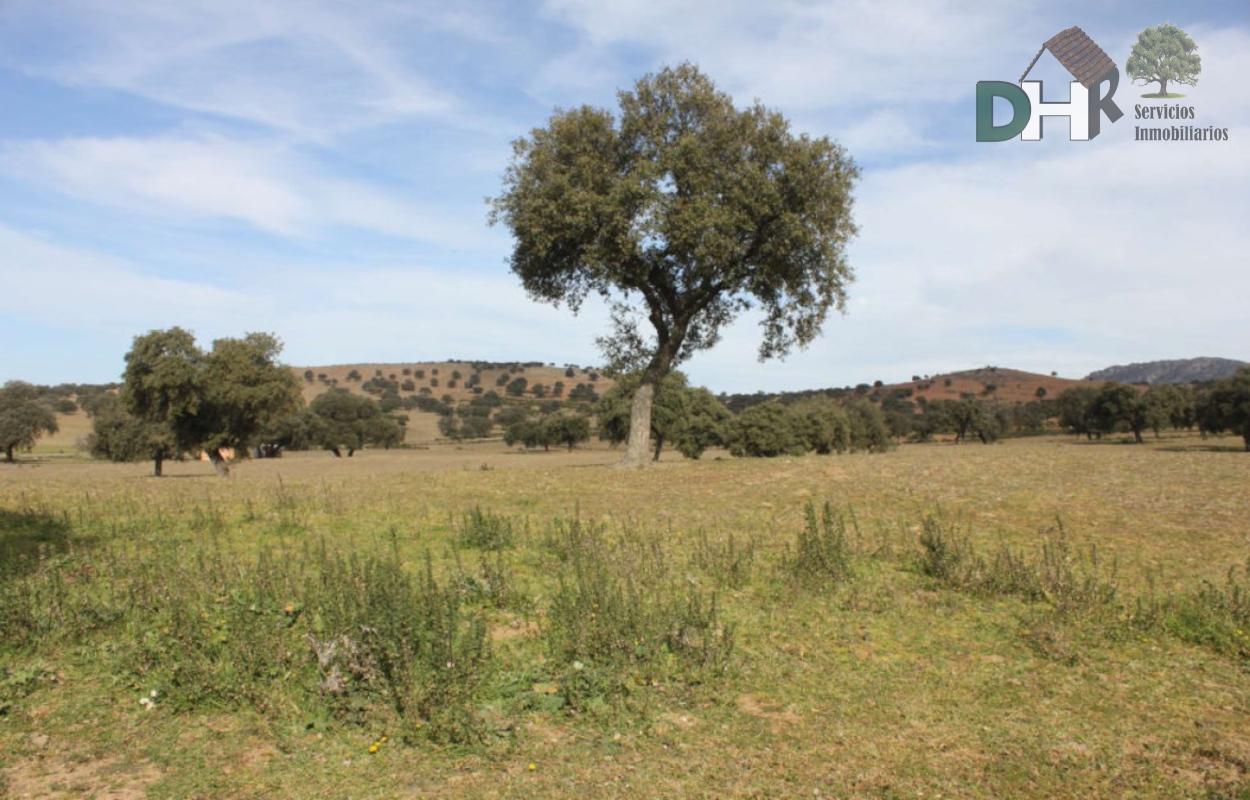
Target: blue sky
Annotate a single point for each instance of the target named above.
(318, 169)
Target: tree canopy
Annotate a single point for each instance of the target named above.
(682, 212)
(1226, 406)
(1120, 405)
(120, 436)
(1164, 54)
(346, 420)
(212, 401)
(691, 419)
(24, 417)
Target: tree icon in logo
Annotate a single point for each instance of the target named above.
(1164, 53)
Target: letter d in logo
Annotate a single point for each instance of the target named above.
(1021, 111)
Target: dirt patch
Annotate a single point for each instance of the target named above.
(779, 717)
(103, 779)
(514, 629)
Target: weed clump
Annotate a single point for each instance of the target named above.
(619, 616)
(1073, 583)
(823, 550)
(730, 563)
(1213, 616)
(485, 530)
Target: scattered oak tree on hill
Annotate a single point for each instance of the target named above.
(211, 401)
(684, 212)
(567, 429)
(24, 417)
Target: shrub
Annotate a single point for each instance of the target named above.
(485, 530)
(730, 563)
(619, 613)
(517, 387)
(765, 430)
(822, 551)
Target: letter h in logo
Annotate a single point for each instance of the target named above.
(1086, 62)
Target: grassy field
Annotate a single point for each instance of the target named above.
(1039, 618)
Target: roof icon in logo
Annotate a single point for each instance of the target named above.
(1078, 54)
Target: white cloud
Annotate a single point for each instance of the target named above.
(800, 54)
(52, 284)
(336, 119)
(267, 186)
(1065, 259)
(307, 68)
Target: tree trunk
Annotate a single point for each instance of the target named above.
(638, 447)
(1163, 86)
(659, 445)
(8, 454)
(156, 465)
(219, 462)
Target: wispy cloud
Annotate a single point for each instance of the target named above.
(800, 54)
(312, 69)
(318, 168)
(268, 186)
(52, 284)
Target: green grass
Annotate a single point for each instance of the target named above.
(1038, 618)
(1168, 96)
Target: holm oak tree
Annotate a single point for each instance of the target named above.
(681, 212)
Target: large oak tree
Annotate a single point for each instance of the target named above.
(682, 212)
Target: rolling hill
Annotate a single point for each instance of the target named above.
(1186, 370)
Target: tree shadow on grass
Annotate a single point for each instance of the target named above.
(1204, 448)
(27, 536)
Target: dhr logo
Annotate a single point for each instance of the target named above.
(1086, 62)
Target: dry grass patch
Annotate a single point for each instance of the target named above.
(880, 680)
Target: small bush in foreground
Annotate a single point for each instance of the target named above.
(485, 530)
(822, 552)
(619, 616)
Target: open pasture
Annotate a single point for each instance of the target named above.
(1037, 618)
